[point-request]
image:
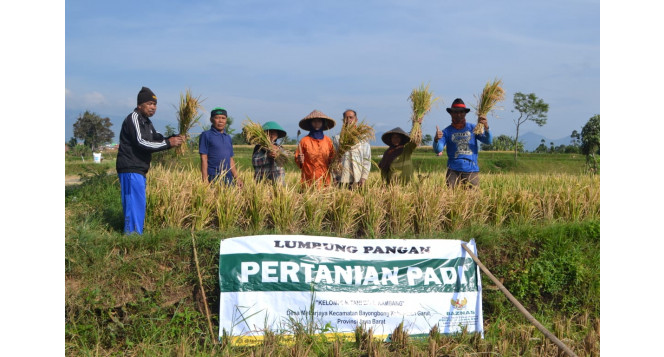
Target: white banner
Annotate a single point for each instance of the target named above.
(278, 282)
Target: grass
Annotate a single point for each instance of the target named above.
(139, 296)
(424, 161)
(536, 227)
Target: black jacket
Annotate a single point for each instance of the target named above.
(138, 140)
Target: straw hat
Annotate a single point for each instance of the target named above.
(328, 123)
(272, 125)
(387, 136)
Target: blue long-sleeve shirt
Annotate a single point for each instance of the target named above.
(462, 147)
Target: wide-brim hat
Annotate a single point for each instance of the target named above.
(272, 125)
(458, 106)
(387, 136)
(328, 123)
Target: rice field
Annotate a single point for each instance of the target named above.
(141, 296)
(176, 198)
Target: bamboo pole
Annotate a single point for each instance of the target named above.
(298, 150)
(200, 282)
(520, 307)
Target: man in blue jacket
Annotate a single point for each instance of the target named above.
(138, 140)
(462, 146)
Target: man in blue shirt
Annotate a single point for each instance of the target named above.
(216, 150)
(462, 146)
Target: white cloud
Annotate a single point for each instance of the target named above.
(94, 99)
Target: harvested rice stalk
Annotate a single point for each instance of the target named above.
(491, 95)
(350, 135)
(255, 135)
(187, 116)
(422, 100)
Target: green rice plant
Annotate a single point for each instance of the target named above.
(175, 199)
(372, 218)
(286, 211)
(292, 178)
(524, 208)
(399, 337)
(257, 200)
(428, 207)
(315, 208)
(202, 205)
(499, 205)
(187, 116)
(228, 207)
(462, 210)
(591, 198)
(343, 212)
(477, 204)
(547, 205)
(399, 210)
(168, 196)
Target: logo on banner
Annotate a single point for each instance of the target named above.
(459, 304)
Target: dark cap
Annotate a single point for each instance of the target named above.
(145, 95)
(458, 106)
(218, 111)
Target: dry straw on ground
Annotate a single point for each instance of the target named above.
(421, 100)
(491, 95)
(187, 116)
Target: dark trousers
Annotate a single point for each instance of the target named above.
(454, 178)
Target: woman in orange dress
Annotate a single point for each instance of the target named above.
(315, 151)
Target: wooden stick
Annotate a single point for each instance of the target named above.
(299, 149)
(200, 282)
(520, 307)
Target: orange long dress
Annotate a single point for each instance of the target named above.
(318, 155)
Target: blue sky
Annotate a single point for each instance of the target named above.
(279, 60)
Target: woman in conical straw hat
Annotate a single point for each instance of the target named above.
(396, 165)
(266, 167)
(315, 151)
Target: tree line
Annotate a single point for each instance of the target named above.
(94, 132)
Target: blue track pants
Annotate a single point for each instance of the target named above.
(132, 188)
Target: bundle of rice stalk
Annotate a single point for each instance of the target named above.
(187, 115)
(491, 95)
(255, 135)
(422, 100)
(350, 135)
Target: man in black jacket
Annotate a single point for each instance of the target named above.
(138, 140)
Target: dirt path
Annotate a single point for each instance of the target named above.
(72, 180)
